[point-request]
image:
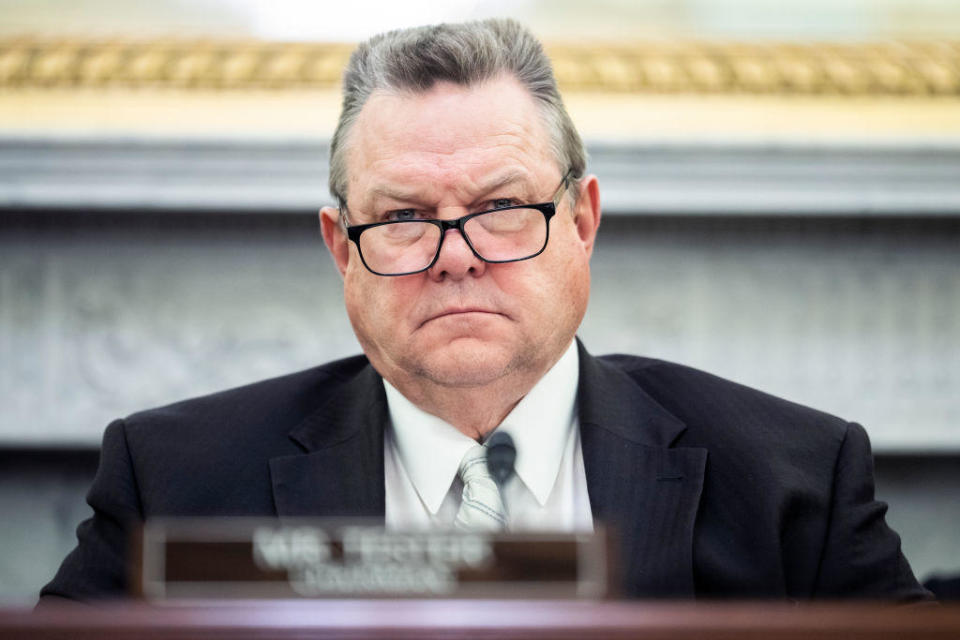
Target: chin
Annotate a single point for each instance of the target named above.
(467, 362)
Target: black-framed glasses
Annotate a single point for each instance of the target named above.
(506, 234)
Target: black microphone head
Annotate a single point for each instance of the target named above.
(501, 456)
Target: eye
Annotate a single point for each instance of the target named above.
(400, 215)
(500, 203)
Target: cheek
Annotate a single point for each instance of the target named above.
(569, 271)
(551, 286)
(568, 256)
(377, 306)
(361, 301)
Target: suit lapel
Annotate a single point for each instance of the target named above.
(639, 484)
(341, 472)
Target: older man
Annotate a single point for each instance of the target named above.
(463, 233)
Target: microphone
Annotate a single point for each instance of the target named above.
(501, 455)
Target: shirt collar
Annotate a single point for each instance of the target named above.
(430, 449)
(540, 425)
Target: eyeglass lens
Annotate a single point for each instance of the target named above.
(496, 236)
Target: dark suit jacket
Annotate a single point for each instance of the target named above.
(717, 490)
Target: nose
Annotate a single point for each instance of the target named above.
(456, 260)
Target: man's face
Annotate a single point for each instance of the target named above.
(463, 323)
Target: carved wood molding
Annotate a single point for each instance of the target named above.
(862, 69)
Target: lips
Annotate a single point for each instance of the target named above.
(458, 311)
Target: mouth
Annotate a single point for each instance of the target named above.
(464, 312)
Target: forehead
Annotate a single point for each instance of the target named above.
(449, 135)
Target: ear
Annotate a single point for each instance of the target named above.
(586, 215)
(335, 237)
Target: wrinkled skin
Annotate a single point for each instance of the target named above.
(464, 340)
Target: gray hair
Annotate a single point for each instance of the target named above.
(465, 54)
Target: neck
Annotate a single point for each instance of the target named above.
(474, 411)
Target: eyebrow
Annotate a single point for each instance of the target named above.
(507, 179)
(498, 182)
(394, 193)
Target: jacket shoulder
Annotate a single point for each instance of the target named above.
(717, 410)
(274, 401)
(215, 449)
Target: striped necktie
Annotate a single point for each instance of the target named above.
(481, 507)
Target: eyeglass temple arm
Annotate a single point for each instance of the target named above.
(562, 189)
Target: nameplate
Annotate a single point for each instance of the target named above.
(310, 558)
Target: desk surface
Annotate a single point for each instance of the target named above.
(483, 619)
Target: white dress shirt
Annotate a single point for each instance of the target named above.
(548, 490)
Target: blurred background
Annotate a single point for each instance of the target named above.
(781, 191)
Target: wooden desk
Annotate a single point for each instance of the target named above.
(483, 619)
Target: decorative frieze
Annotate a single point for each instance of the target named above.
(854, 69)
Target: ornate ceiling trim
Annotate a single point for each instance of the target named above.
(864, 69)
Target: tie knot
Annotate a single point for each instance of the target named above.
(481, 506)
(473, 466)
